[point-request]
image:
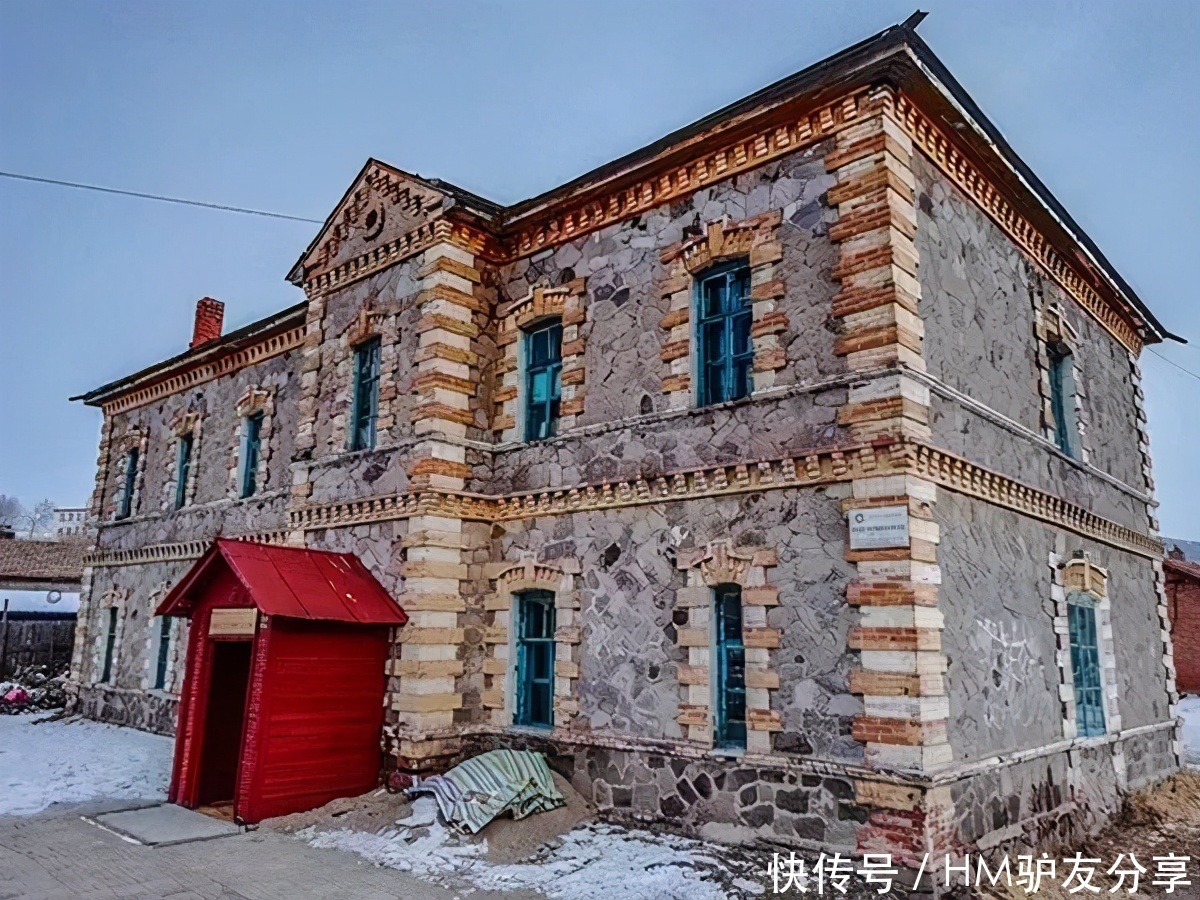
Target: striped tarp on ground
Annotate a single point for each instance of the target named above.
(476, 791)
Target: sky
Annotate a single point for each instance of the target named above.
(276, 106)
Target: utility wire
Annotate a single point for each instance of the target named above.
(108, 190)
(1175, 364)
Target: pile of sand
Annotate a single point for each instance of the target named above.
(371, 813)
(508, 841)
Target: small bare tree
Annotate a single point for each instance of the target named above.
(41, 518)
(11, 512)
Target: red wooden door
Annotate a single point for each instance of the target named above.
(315, 716)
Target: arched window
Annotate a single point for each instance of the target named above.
(1062, 397)
(534, 674)
(729, 700)
(724, 350)
(1085, 663)
(542, 354)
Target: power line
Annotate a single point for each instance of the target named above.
(1175, 364)
(159, 197)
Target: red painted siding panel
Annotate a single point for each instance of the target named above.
(319, 717)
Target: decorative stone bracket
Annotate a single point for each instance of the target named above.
(706, 567)
(561, 578)
(569, 303)
(757, 239)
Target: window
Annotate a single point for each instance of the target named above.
(110, 644)
(1085, 661)
(535, 659)
(366, 395)
(164, 653)
(543, 380)
(1062, 397)
(730, 699)
(251, 452)
(125, 508)
(183, 466)
(725, 352)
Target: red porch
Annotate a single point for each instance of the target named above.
(282, 702)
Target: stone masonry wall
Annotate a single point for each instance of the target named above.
(979, 293)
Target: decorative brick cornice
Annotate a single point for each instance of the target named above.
(947, 157)
(420, 239)
(810, 468)
(567, 221)
(179, 551)
(208, 371)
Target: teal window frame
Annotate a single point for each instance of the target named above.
(365, 412)
(164, 653)
(542, 353)
(1086, 667)
(534, 676)
(125, 508)
(1062, 392)
(183, 467)
(729, 700)
(251, 453)
(724, 346)
(110, 645)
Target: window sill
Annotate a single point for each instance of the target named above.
(727, 752)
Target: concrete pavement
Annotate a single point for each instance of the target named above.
(56, 854)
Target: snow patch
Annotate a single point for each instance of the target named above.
(588, 863)
(1189, 711)
(73, 760)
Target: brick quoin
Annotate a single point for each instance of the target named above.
(1183, 608)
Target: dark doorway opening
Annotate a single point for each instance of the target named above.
(224, 722)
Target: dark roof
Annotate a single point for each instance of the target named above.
(41, 560)
(227, 343)
(1182, 567)
(293, 582)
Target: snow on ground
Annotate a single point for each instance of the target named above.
(74, 760)
(592, 862)
(1189, 710)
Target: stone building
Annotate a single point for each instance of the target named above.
(607, 448)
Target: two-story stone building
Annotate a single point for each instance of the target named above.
(785, 478)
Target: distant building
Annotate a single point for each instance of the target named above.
(70, 522)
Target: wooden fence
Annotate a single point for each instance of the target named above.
(28, 639)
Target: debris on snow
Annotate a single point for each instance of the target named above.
(72, 760)
(33, 688)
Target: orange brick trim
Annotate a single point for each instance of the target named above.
(568, 303)
(209, 371)
(756, 238)
(706, 567)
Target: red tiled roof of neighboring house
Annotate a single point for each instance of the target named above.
(1183, 567)
(41, 560)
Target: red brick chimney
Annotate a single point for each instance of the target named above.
(210, 316)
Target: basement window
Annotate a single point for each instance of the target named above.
(183, 467)
(730, 699)
(543, 380)
(366, 395)
(251, 453)
(125, 508)
(1085, 663)
(725, 353)
(535, 659)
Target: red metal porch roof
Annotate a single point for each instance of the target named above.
(293, 582)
